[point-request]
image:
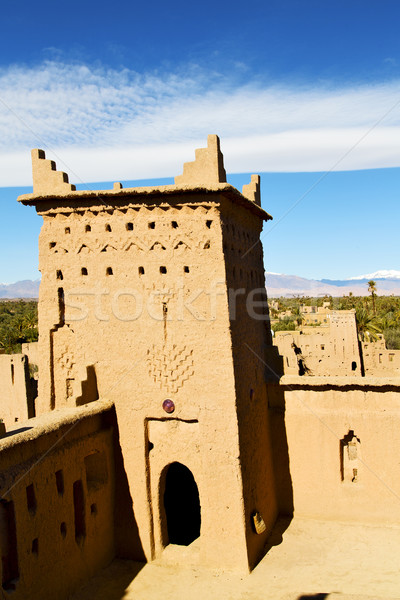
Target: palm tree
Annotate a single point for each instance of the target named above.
(372, 290)
(367, 326)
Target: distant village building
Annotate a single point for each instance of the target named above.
(328, 344)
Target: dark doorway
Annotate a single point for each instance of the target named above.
(182, 505)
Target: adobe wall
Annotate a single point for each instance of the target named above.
(251, 349)
(17, 392)
(57, 502)
(379, 361)
(335, 475)
(31, 349)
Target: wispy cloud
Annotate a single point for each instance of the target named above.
(108, 124)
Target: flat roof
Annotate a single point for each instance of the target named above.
(78, 196)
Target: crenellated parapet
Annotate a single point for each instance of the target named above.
(46, 178)
(251, 191)
(207, 168)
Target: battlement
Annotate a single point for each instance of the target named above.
(205, 174)
(46, 178)
(252, 190)
(207, 168)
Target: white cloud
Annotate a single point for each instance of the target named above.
(107, 124)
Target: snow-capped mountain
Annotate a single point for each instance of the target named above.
(292, 285)
(384, 274)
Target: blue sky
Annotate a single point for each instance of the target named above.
(295, 89)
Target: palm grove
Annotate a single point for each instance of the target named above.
(18, 324)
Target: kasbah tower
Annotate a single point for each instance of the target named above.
(154, 298)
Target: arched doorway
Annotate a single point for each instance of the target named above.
(182, 505)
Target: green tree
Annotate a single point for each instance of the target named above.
(367, 325)
(372, 290)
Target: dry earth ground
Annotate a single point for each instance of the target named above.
(313, 560)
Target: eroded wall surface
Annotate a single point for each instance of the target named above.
(331, 350)
(57, 503)
(17, 394)
(380, 361)
(342, 440)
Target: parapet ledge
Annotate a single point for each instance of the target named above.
(251, 190)
(207, 168)
(34, 428)
(46, 178)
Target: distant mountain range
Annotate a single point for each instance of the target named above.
(278, 284)
(387, 283)
(21, 289)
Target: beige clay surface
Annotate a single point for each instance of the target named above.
(316, 561)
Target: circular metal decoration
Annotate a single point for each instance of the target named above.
(168, 406)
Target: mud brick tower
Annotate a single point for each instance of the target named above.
(148, 299)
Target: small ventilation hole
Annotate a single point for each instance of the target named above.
(109, 271)
(67, 230)
(129, 226)
(60, 482)
(88, 228)
(108, 227)
(141, 270)
(31, 498)
(152, 225)
(174, 224)
(163, 270)
(59, 275)
(84, 271)
(186, 269)
(35, 546)
(208, 224)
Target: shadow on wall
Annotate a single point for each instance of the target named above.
(313, 597)
(15, 431)
(280, 450)
(127, 539)
(90, 392)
